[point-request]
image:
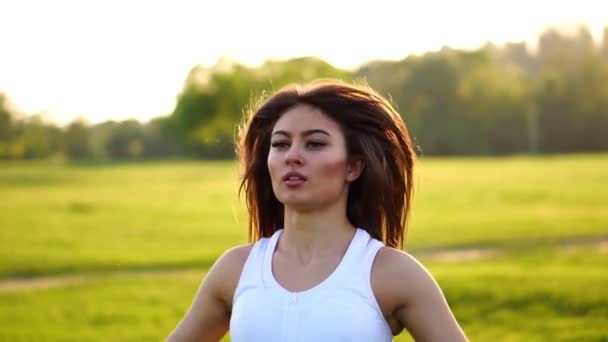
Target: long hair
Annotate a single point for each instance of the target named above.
(378, 201)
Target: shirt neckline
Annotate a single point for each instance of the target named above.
(269, 275)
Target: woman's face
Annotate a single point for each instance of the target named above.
(308, 161)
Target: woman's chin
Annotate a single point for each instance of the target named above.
(298, 204)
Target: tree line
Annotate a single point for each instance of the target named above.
(493, 100)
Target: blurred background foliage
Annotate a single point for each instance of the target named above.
(491, 101)
(98, 250)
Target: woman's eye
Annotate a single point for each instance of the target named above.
(279, 144)
(314, 144)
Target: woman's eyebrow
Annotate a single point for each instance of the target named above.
(304, 133)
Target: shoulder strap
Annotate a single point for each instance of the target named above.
(367, 261)
(357, 263)
(252, 270)
(266, 258)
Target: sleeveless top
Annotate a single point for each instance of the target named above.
(340, 308)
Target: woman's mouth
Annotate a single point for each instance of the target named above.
(294, 179)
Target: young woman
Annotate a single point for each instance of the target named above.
(327, 175)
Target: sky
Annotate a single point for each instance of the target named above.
(120, 59)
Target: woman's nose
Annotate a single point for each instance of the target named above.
(293, 155)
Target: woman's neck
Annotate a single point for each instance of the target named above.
(316, 232)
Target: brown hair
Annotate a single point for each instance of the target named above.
(379, 200)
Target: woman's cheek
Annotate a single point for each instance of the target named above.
(334, 169)
(272, 165)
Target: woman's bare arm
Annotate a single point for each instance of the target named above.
(208, 317)
(415, 299)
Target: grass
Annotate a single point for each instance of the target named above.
(175, 218)
(108, 218)
(507, 299)
(546, 296)
(129, 308)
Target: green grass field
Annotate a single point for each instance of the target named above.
(143, 234)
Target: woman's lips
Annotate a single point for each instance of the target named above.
(294, 179)
(294, 182)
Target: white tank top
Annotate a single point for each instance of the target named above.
(341, 308)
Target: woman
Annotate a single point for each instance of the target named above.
(328, 173)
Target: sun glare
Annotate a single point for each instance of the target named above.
(116, 60)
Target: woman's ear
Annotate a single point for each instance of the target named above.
(354, 169)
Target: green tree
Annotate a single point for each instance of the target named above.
(213, 100)
(6, 119)
(10, 147)
(36, 138)
(77, 142)
(126, 140)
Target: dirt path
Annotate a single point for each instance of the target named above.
(570, 245)
(45, 282)
(435, 254)
(53, 281)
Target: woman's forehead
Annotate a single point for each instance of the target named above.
(305, 118)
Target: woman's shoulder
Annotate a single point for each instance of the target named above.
(225, 273)
(400, 274)
(233, 259)
(410, 297)
(395, 260)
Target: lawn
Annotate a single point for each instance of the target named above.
(162, 224)
(547, 296)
